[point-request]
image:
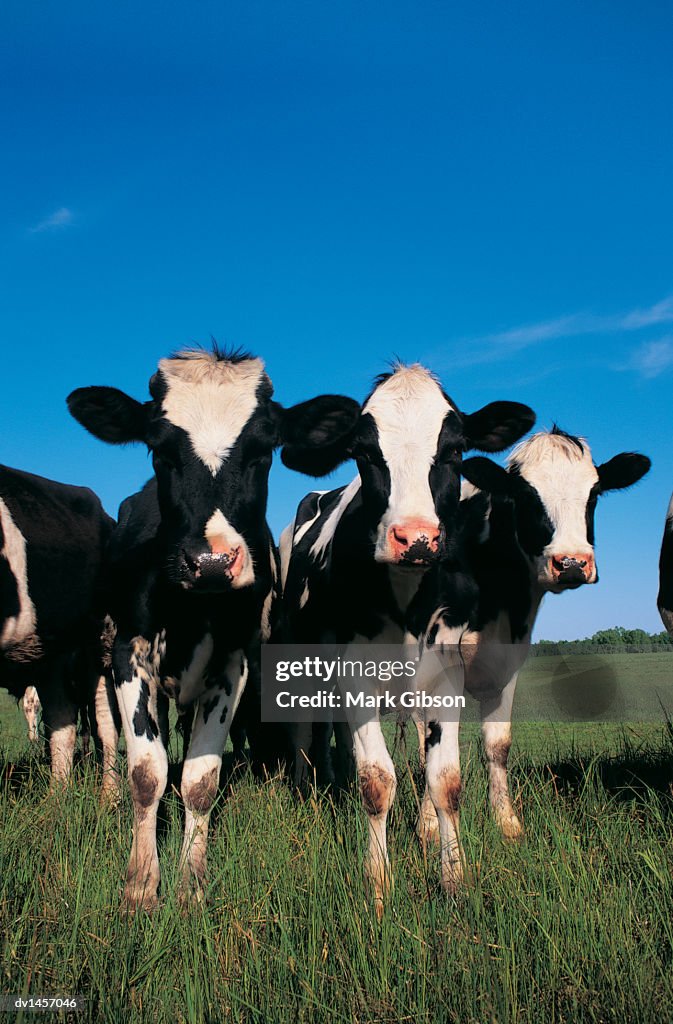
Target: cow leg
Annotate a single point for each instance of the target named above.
(30, 702)
(377, 781)
(440, 671)
(136, 680)
(496, 728)
(344, 770)
(312, 753)
(442, 752)
(59, 714)
(84, 729)
(201, 771)
(108, 725)
(420, 730)
(443, 782)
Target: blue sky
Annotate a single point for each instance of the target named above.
(485, 188)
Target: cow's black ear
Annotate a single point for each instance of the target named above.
(109, 414)
(487, 476)
(497, 426)
(622, 471)
(317, 435)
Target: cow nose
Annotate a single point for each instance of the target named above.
(222, 559)
(572, 569)
(220, 564)
(414, 542)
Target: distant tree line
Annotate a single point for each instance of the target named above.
(617, 640)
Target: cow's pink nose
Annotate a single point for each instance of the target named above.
(229, 558)
(574, 568)
(415, 541)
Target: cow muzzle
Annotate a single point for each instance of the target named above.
(413, 542)
(215, 570)
(572, 570)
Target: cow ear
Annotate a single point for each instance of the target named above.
(622, 471)
(487, 476)
(317, 435)
(497, 426)
(109, 414)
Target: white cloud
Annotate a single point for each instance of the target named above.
(493, 347)
(653, 358)
(60, 218)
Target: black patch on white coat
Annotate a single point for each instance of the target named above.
(144, 723)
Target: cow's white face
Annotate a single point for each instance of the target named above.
(398, 444)
(211, 426)
(562, 473)
(212, 451)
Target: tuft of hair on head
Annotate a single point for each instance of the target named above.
(215, 353)
(534, 449)
(411, 373)
(556, 431)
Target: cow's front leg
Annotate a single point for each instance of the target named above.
(107, 728)
(377, 781)
(136, 678)
(442, 767)
(201, 771)
(440, 672)
(496, 728)
(59, 716)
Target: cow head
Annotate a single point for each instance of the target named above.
(408, 444)
(555, 485)
(211, 426)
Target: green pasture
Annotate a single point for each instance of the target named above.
(575, 923)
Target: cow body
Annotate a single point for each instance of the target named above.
(532, 535)
(665, 598)
(192, 574)
(354, 558)
(52, 541)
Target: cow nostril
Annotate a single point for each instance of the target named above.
(565, 562)
(401, 538)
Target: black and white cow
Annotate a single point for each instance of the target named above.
(52, 541)
(665, 598)
(531, 535)
(193, 570)
(353, 559)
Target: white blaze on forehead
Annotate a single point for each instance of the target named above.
(563, 474)
(211, 400)
(409, 409)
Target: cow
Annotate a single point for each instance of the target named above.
(354, 557)
(52, 544)
(529, 532)
(193, 572)
(30, 705)
(665, 598)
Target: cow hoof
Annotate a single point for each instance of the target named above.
(511, 828)
(454, 879)
(427, 830)
(110, 795)
(135, 901)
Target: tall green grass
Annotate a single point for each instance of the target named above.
(575, 923)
